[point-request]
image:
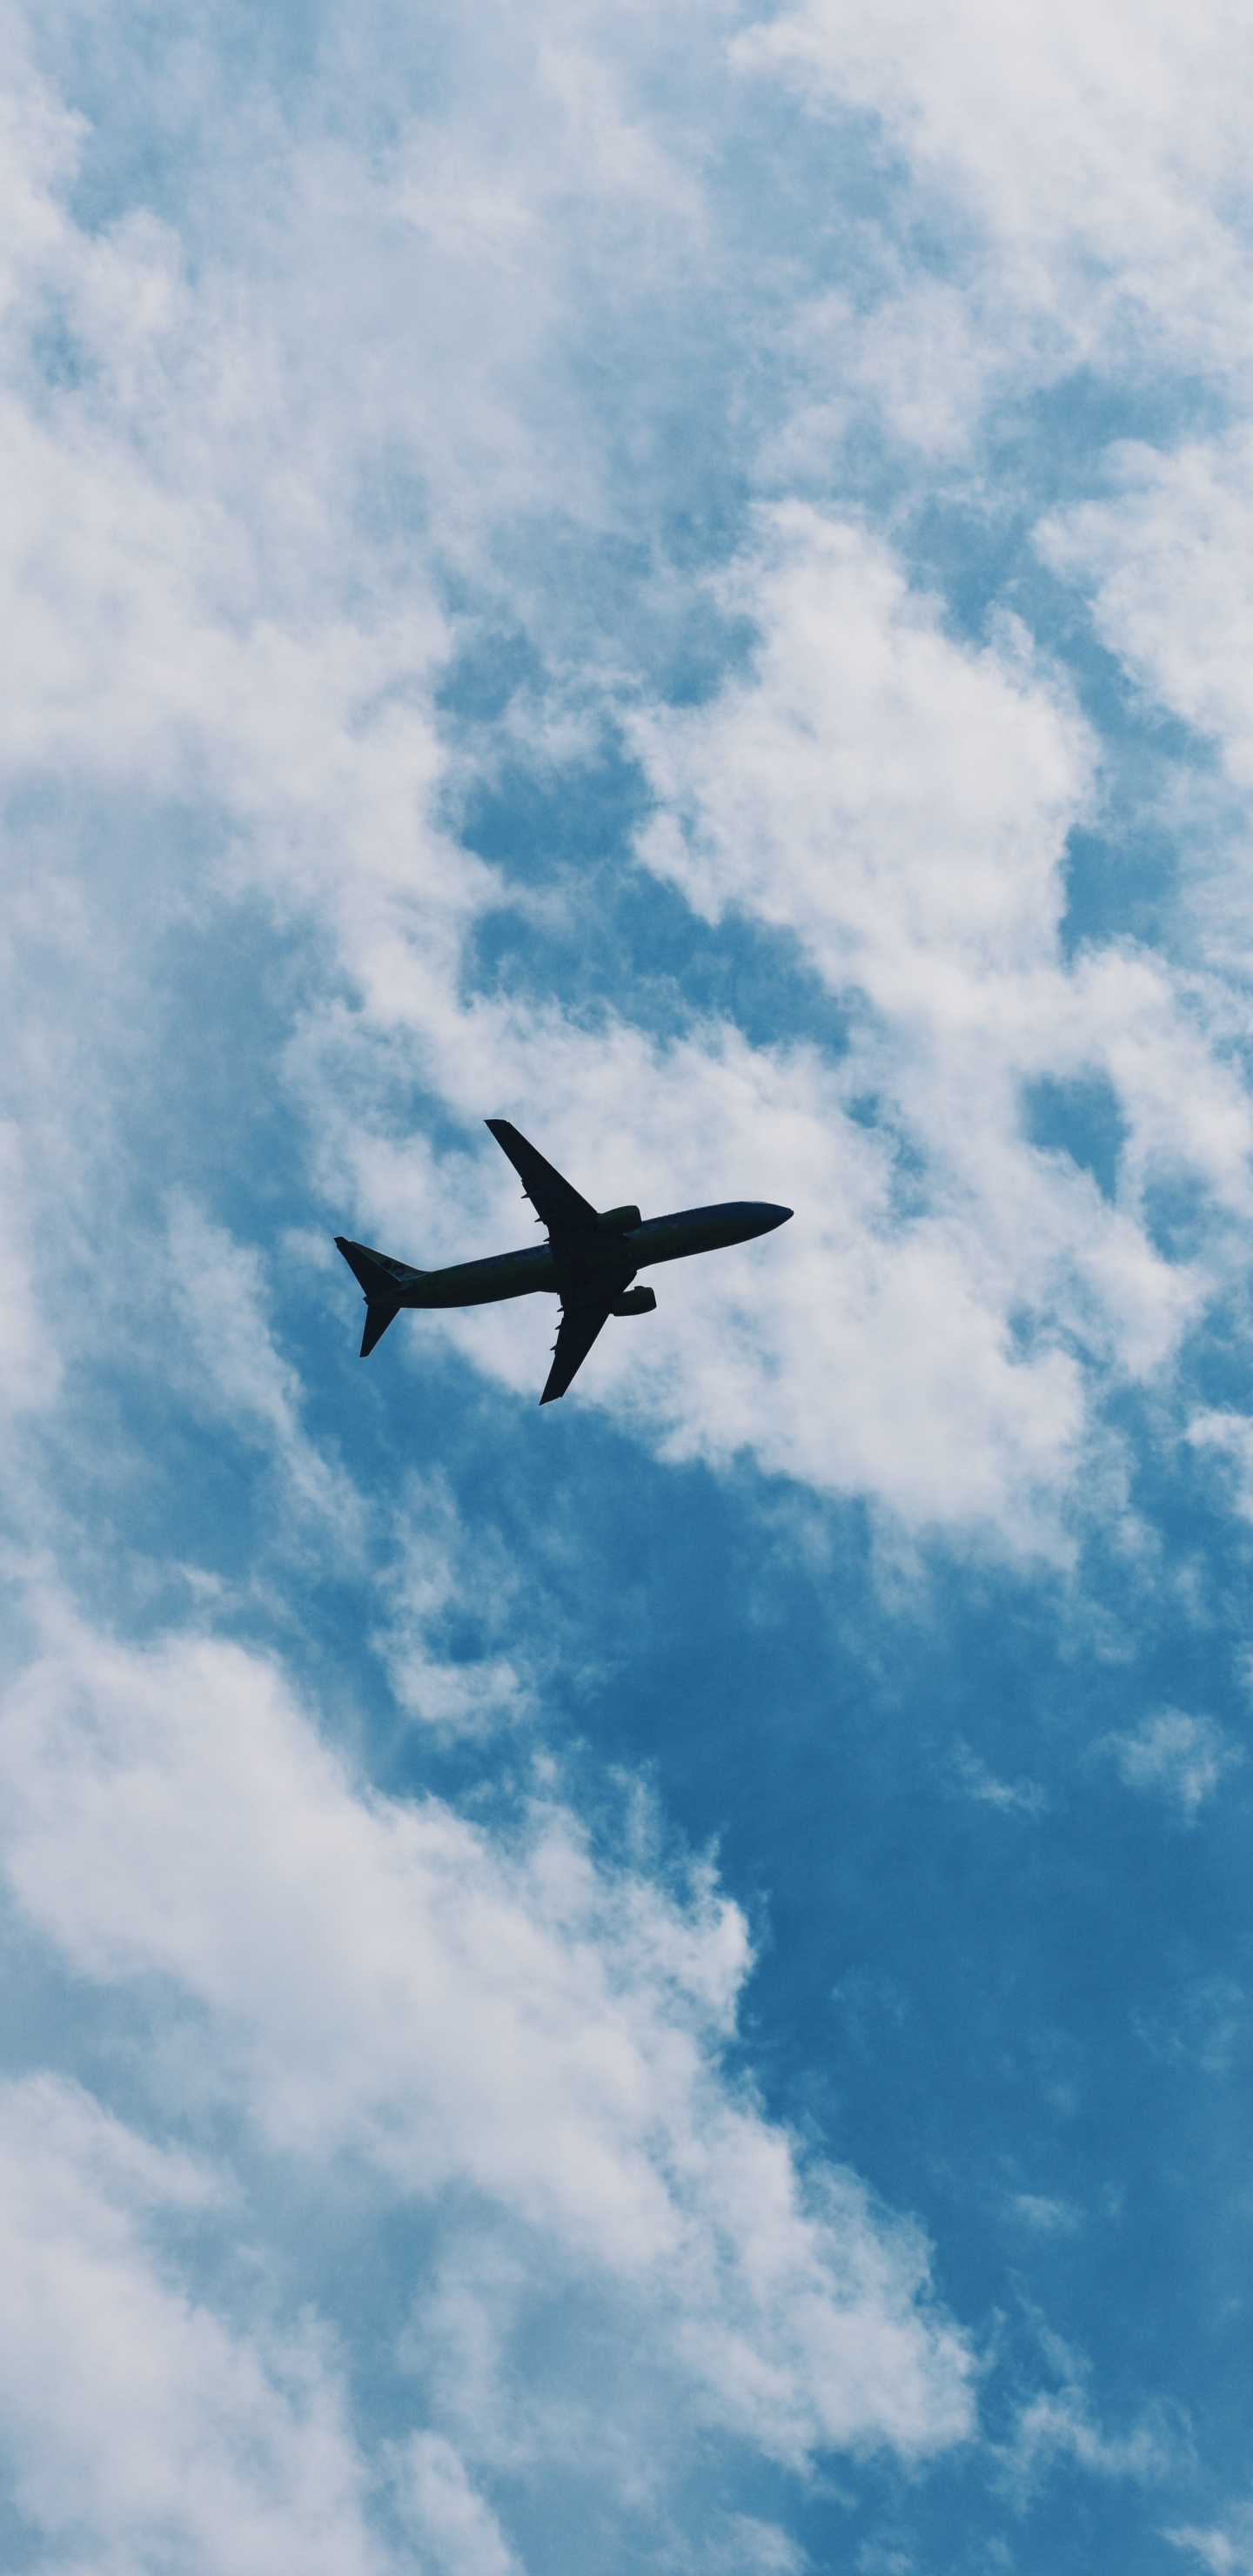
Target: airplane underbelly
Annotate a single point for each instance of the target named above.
(484, 1283)
(677, 1242)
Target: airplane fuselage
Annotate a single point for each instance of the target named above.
(618, 1254)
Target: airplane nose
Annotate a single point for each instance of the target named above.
(772, 1216)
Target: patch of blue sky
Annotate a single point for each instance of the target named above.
(1082, 1119)
(578, 917)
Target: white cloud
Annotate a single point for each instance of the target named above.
(1059, 2424)
(1166, 558)
(379, 1977)
(979, 1782)
(1043, 2215)
(899, 799)
(456, 2529)
(30, 1372)
(140, 2428)
(1204, 2024)
(752, 2548)
(439, 1568)
(217, 1292)
(1090, 162)
(1176, 1757)
(1225, 2553)
(1167, 561)
(901, 802)
(1169, 558)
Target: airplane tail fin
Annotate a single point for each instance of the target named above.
(383, 1282)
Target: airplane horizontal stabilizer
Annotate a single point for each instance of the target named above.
(377, 1319)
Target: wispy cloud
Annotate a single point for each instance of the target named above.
(1225, 2552)
(977, 1781)
(1220, 2551)
(1175, 1757)
(1045, 2216)
(450, 2520)
(1059, 2425)
(443, 1578)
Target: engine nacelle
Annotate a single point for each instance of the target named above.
(637, 1301)
(619, 1220)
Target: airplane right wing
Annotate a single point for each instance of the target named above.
(570, 1219)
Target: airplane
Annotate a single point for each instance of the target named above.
(588, 1261)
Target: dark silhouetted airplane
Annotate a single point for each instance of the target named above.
(588, 1261)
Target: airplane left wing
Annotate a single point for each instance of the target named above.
(570, 1219)
(581, 1320)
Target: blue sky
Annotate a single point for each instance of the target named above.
(663, 1983)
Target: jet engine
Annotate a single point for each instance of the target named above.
(637, 1301)
(619, 1220)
